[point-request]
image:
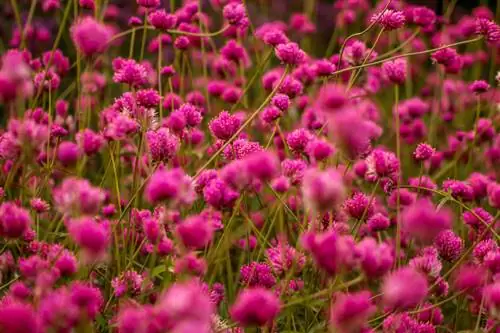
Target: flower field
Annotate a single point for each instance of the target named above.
(230, 166)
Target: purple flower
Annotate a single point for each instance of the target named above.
(489, 29)
(172, 185)
(234, 13)
(195, 232)
(162, 20)
(323, 190)
(479, 87)
(255, 306)
(449, 245)
(389, 19)
(404, 289)
(14, 220)
(90, 36)
(422, 221)
(290, 54)
(350, 312)
(162, 144)
(395, 70)
(257, 275)
(17, 318)
(77, 196)
(423, 152)
(224, 126)
(91, 236)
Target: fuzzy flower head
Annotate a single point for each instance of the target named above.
(224, 126)
(479, 87)
(130, 72)
(323, 190)
(235, 13)
(14, 220)
(449, 245)
(77, 196)
(255, 306)
(389, 19)
(172, 185)
(489, 29)
(162, 20)
(396, 70)
(396, 291)
(90, 36)
(290, 54)
(162, 144)
(91, 236)
(423, 152)
(350, 312)
(195, 232)
(422, 221)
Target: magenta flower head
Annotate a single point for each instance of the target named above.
(298, 140)
(323, 190)
(422, 221)
(331, 98)
(148, 3)
(489, 29)
(389, 19)
(395, 70)
(493, 191)
(77, 196)
(17, 317)
(89, 141)
(68, 153)
(162, 20)
(423, 16)
(186, 303)
(290, 54)
(162, 144)
(449, 245)
(90, 36)
(404, 289)
(492, 298)
(195, 232)
(479, 87)
(350, 312)
(255, 306)
(87, 298)
(91, 236)
(14, 220)
(281, 101)
(129, 71)
(469, 277)
(235, 13)
(423, 152)
(172, 185)
(224, 126)
(449, 58)
(262, 165)
(375, 259)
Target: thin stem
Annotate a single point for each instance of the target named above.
(245, 124)
(400, 46)
(398, 155)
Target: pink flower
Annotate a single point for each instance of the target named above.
(323, 190)
(162, 20)
(92, 237)
(290, 54)
(350, 312)
(404, 289)
(422, 221)
(172, 185)
(90, 36)
(224, 126)
(389, 19)
(395, 70)
(255, 306)
(195, 232)
(162, 144)
(14, 220)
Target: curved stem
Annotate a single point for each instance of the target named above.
(400, 46)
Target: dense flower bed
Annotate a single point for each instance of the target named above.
(204, 167)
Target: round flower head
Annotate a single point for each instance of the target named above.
(89, 141)
(422, 221)
(77, 196)
(404, 289)
(290, 54)
(130, 72)
(262, 165)
(489, 29)
(162, 144)
(281, 101)
(17, 318)
(423, 152)
(395, 70)
(449, 245)
(92, 237)
(423, 16)
(479, 87)
(331, 98)
(255, 306)
(162, 20)
(350, 312)
(195, 232)
(234, 13)
(14, 220)
(90, 36)
(257, 275)
(68, 153)
(375, 259)
(389, 19)
(298, 140)
(224, 126)
(323, 190)
(169, 185)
